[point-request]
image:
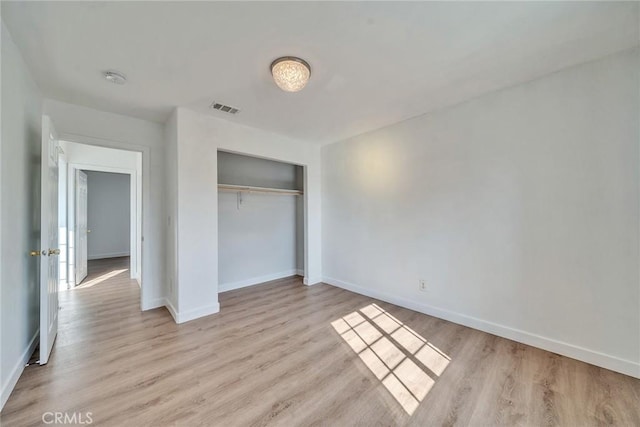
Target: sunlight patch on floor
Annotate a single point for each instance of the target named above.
(406, 363)
(100, 279)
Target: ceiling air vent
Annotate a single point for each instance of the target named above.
(225, 108)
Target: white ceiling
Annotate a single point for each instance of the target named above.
(373, 64)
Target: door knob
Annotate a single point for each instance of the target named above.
(54, 251)
(36, 253)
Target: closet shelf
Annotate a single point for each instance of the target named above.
(250, 189)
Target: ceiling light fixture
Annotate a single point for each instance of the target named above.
(115, 77)
(291, 74)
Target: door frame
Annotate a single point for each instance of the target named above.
(142, 198)
(72, 221)
(135, 220)
(62, 216)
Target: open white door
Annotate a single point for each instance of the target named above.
(49, 263)
(81, 226)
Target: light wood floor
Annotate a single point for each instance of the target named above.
(285, 354)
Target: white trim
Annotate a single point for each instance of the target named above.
(172, 309)
(135, 220)
(310, 281)
(224, 287)
(607, 361)
(17, 370)
(193, 314)
(99, 168)
(110, 255)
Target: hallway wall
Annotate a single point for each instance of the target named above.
(20, 215)
(108, 214)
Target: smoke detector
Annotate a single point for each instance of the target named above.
(115, 77)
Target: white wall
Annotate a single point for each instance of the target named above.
(91, 155)
(199, 137)
(257, 239)
(245, 170)
(88, 126)
(520, 209)
(20, 215)
(108, 214)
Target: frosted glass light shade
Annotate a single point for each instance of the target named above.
(291, 74)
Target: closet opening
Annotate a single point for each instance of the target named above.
(261, 220)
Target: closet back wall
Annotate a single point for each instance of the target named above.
(258, 239)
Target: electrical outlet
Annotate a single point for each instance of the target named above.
(423, 285)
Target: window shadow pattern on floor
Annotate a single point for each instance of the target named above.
(404, 362)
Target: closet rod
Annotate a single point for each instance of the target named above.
(251, 189)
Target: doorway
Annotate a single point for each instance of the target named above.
(260, 220)
(74, 158)
(102, 211)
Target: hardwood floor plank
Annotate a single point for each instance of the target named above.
(273, 357)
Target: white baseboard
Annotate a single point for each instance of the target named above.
(196, 313)
(17, 370)
(309, 281)
(224, 287)
(182, 317)
(109, 255)
(603, 360)
(172, 309)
